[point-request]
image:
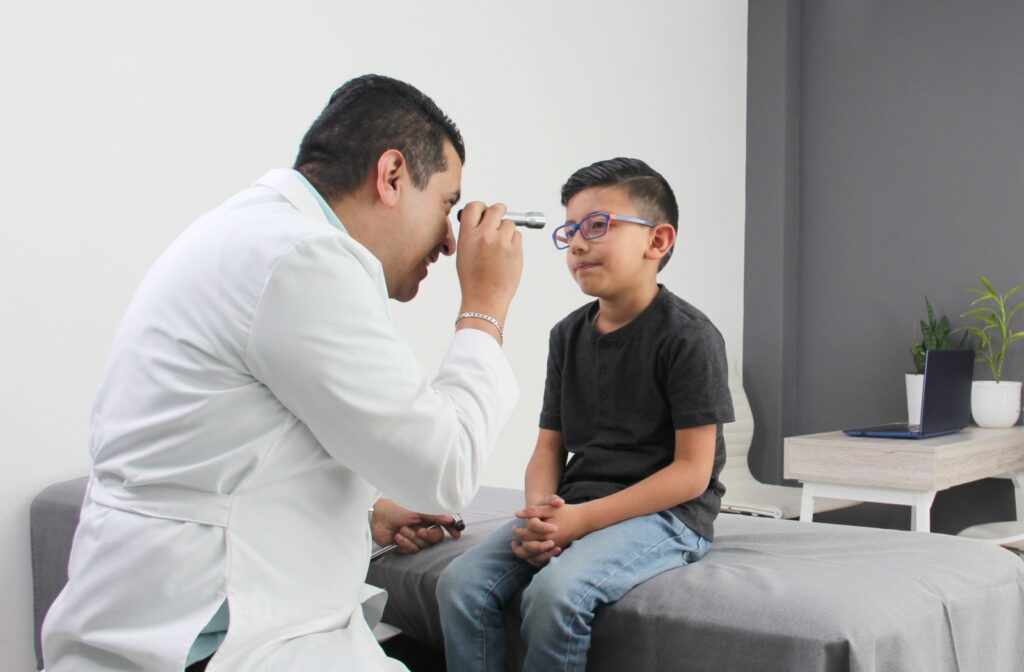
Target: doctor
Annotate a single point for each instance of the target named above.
(258, 402)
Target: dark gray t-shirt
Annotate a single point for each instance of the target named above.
(618, 398)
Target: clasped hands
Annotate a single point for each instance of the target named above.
(550, 526)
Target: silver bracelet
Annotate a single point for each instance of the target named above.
(486, 318)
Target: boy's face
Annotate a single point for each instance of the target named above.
(613, 265)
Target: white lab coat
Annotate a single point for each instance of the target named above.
(256, 403)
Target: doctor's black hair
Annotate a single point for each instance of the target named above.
(645, 186)
(365, 117)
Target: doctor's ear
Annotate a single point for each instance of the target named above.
(390, 176)
(662, 240)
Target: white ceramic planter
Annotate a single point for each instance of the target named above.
(915, 382)
(995, 404)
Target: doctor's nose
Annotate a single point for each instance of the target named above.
(448, 244)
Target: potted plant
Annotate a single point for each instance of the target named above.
(935, 335)
(994, 403)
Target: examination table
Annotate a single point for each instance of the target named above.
(769, 595)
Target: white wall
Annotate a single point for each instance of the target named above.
(122, 121)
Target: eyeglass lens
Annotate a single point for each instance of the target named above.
(592, 226)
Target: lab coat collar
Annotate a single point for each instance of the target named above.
(294, 186)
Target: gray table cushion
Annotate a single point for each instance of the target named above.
(777, 595)
(770, 595)
(53, 518)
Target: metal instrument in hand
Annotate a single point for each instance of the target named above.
(531, 220)
(459, 525)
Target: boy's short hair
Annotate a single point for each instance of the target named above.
(365, 117)
(648, 190)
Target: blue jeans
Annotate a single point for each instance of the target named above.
(558, 604)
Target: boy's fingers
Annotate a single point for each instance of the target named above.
(534, 553)
(548, 503)
(551, 501)
(538, 547)
(527, 534)
(538, 526)
(544, 558)
(535, 512)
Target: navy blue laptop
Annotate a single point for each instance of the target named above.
(945, 399)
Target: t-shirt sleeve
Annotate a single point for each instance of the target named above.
(551, 410)
(698, 378)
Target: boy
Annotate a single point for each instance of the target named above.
(637, 392)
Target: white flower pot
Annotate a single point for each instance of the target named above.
(995, 404)
(915, 382)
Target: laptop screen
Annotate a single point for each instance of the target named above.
(946, 398)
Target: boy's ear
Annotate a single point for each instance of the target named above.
(390, 176)
(661, 242)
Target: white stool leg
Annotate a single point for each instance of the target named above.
(1018, 485)
(806, 504)
(921, 512)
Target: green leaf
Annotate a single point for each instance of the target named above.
(982, 298)
(990, 322)
(976, 332)
(981, 335)
(988, 284)
(917, 352)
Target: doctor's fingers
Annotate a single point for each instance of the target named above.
(412, 540)
(409, 544)
(508, 231)
(477, 214)
(453, 531)
(433, 521)
(470, 215)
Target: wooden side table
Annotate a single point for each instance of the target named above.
(901, 471)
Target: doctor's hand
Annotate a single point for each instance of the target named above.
(489, 260)
(393, 524)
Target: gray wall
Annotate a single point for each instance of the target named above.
(885, 162)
